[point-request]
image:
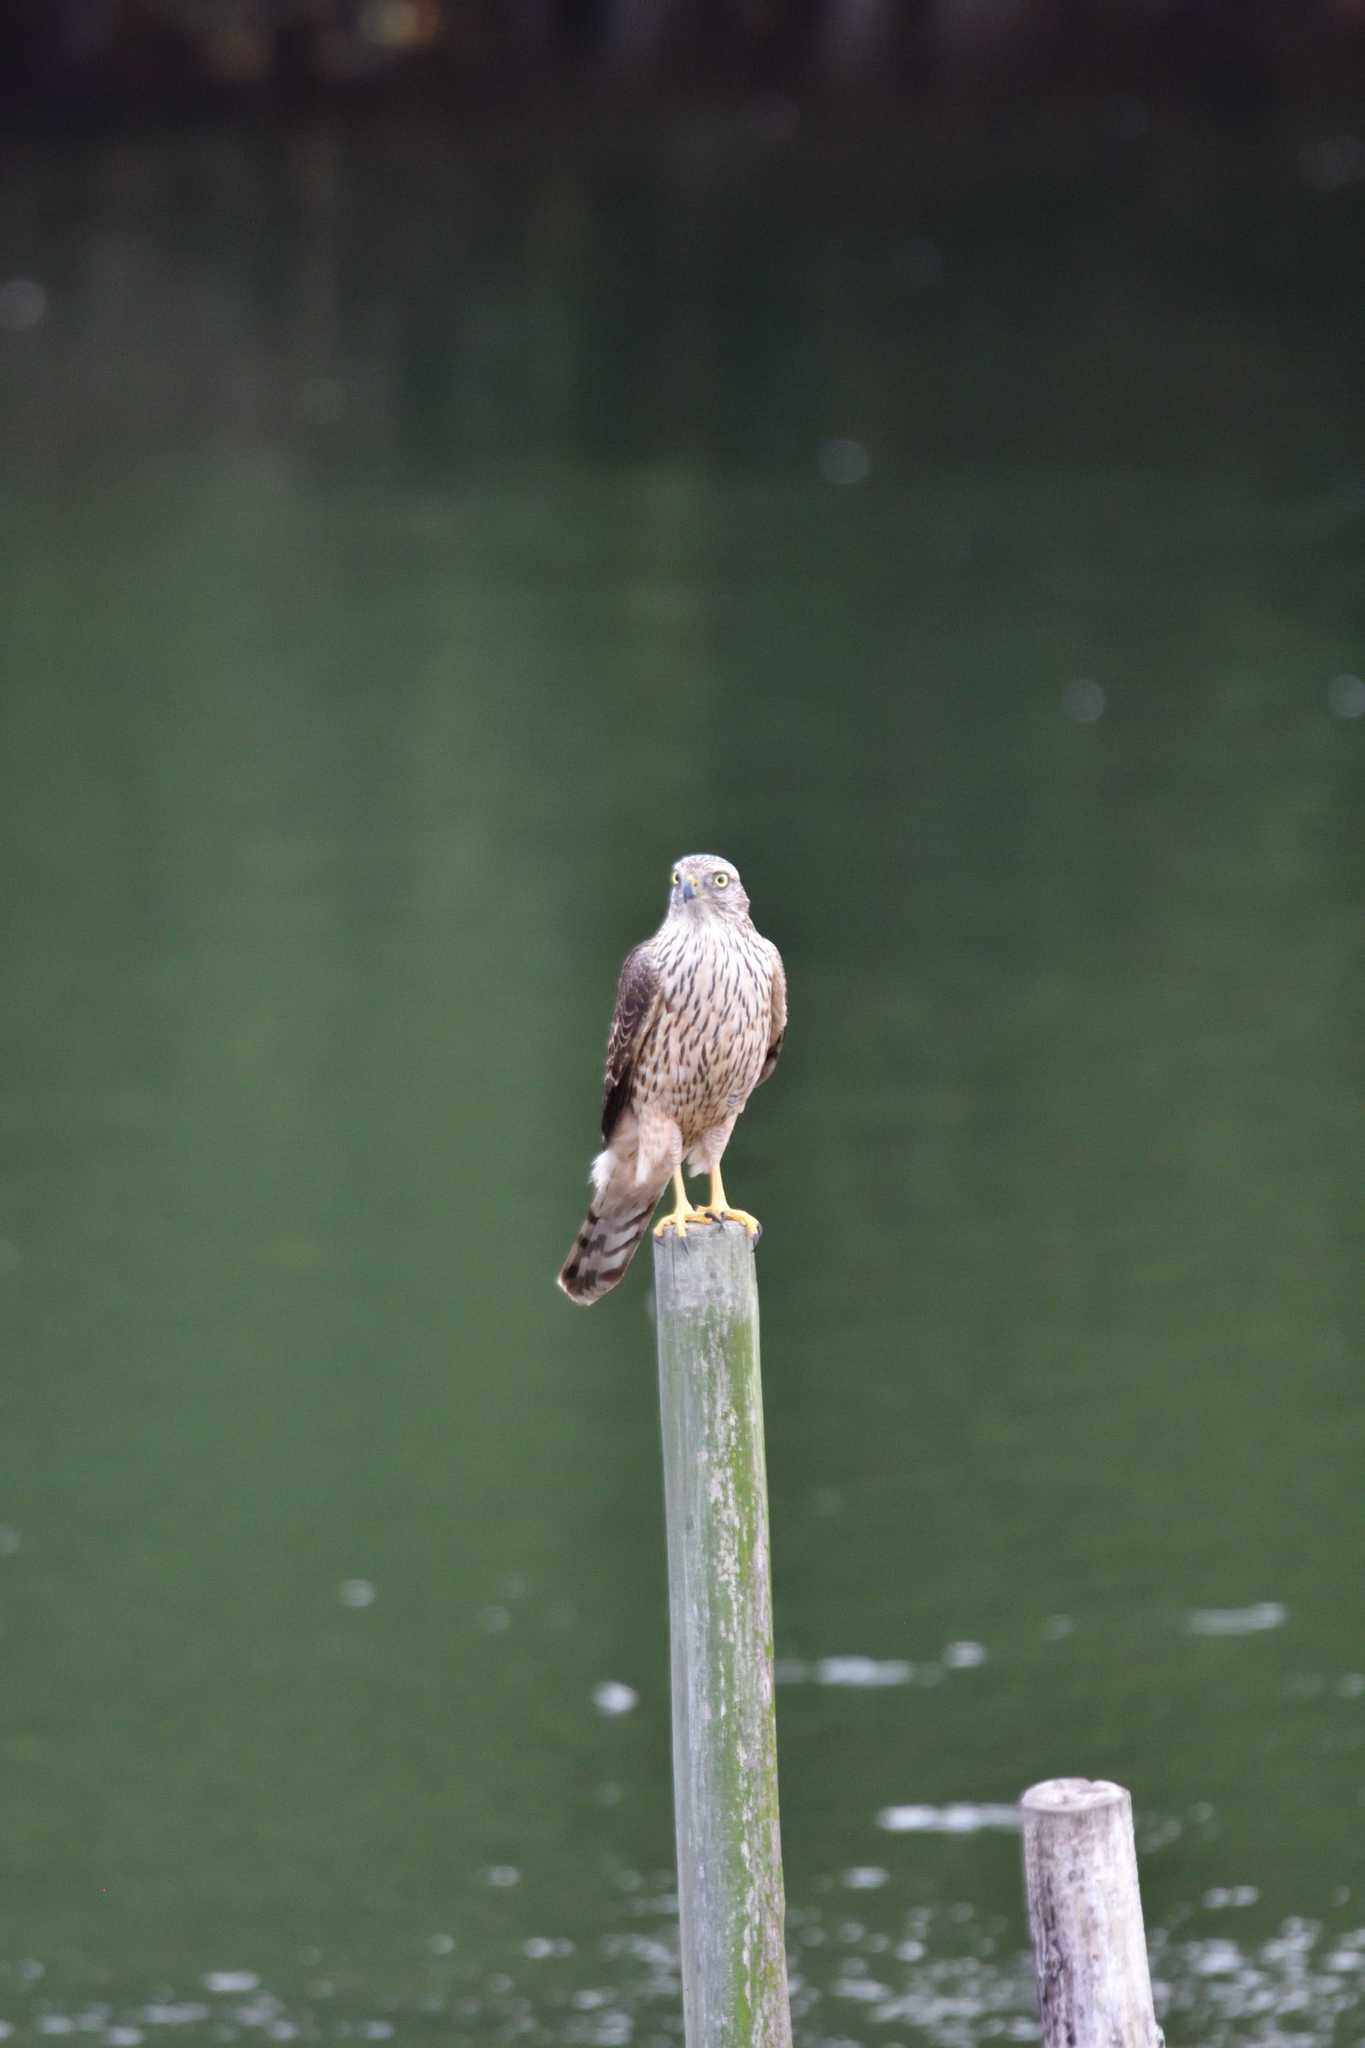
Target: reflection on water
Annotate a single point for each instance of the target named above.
(405, 556)
(1235, 1621)
(958, 1818)
(947, 1977)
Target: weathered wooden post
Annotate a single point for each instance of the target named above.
(730, 1898)
(1085, 1916)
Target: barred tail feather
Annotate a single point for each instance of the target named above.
(607, 1241)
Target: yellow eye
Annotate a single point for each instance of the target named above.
(676, 878)
(721, 881)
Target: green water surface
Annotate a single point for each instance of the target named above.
(409, 544)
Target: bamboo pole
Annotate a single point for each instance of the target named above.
(1085, 1916)
(730, 1899)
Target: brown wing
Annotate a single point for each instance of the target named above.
(637, 1006)
(777, 1030)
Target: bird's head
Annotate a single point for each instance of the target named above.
(705, 885)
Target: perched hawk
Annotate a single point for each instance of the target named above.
(700, 1013)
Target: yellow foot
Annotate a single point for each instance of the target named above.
(678, 1220)
(722, 1213)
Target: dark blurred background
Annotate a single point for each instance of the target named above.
(456, 459)
(183, 57)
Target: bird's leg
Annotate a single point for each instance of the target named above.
(682, 1213)
(719, 1209)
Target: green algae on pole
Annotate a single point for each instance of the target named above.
(730, 1898)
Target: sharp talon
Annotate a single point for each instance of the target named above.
(677, 1221)
(727, 1215)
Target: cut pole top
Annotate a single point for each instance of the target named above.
(1072, 1796)
(711, 1269)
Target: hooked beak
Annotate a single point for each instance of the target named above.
(689, 889)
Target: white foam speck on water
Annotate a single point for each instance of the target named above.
(1346, 697)
(865, 1988)
(962, 1817)
(357, 1593)
(502, 1876)
(611, 1697)
(877, 1671)
(224, 1981)
(864, 1877)
(863, 1671)
(844, 461)
(1084, 702)
(1236, 1621)
(1223, 1895)
(1216, 1959)
(9, 1540)
(23, 305)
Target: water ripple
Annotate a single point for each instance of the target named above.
(1236, 1621)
